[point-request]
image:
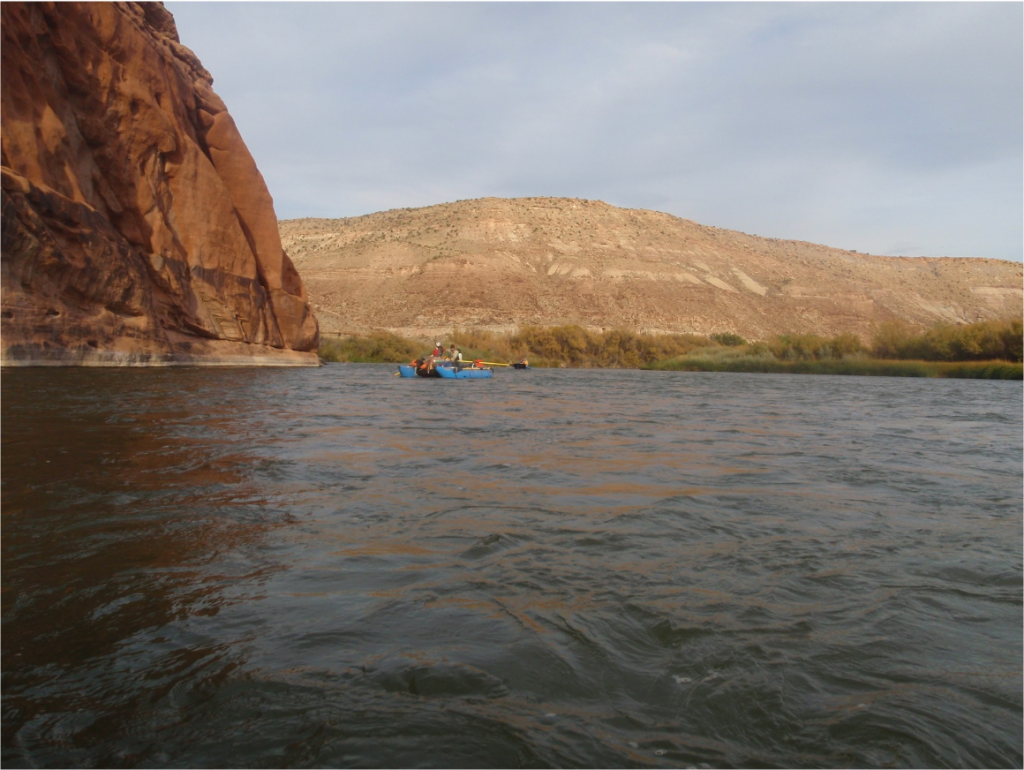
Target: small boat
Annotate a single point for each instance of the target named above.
(423, 367)
(467, 373)
(445, 370)
(520, 365)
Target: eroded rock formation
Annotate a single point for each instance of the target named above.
(136, 226)
(498, 264)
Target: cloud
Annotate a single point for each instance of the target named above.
(872, 126)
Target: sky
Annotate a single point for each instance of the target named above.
(887, 128)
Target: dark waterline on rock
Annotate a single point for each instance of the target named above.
(338, 567)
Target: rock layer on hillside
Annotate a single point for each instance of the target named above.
(497, 264)
(136, 227)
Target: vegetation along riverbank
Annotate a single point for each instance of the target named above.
(985, 350)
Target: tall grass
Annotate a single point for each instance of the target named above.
(378, 347)
(895, 350)
(575, 346)
(868, 367)
(982, 341)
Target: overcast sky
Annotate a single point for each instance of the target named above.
(890, 128)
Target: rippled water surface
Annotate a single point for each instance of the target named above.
(339, 567)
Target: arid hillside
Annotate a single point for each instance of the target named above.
(499, 263)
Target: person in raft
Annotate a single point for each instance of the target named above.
(427, 362)
(455, 355)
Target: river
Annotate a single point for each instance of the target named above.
(573, 568)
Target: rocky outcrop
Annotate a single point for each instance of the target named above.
(136, 226)
(497, 264)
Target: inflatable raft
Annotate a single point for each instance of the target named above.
(446, 371)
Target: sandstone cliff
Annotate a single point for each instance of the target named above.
(136, 226)
(497, 264)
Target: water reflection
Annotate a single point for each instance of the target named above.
(118, 510)
(548, 569)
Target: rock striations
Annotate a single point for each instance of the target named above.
(498, 263)
(137, 229)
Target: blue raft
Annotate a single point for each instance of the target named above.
(469, 373)
(446, 371)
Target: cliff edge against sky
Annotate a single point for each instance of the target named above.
(136, 227)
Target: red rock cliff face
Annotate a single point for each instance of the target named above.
(136, 226)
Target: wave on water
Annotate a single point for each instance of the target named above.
(550, 568)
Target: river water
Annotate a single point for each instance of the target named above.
(339, 567)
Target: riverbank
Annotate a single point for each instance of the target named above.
(986, 350)
(870, 367)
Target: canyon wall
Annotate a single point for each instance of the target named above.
(137, 229)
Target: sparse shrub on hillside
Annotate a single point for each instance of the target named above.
(729, 339)
(564, 344)
(811, 347)
(484, 345)
(374, 348)
(1012, 336)
(846, 345)
(893, 339)
(982, 341)
(618, 348)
